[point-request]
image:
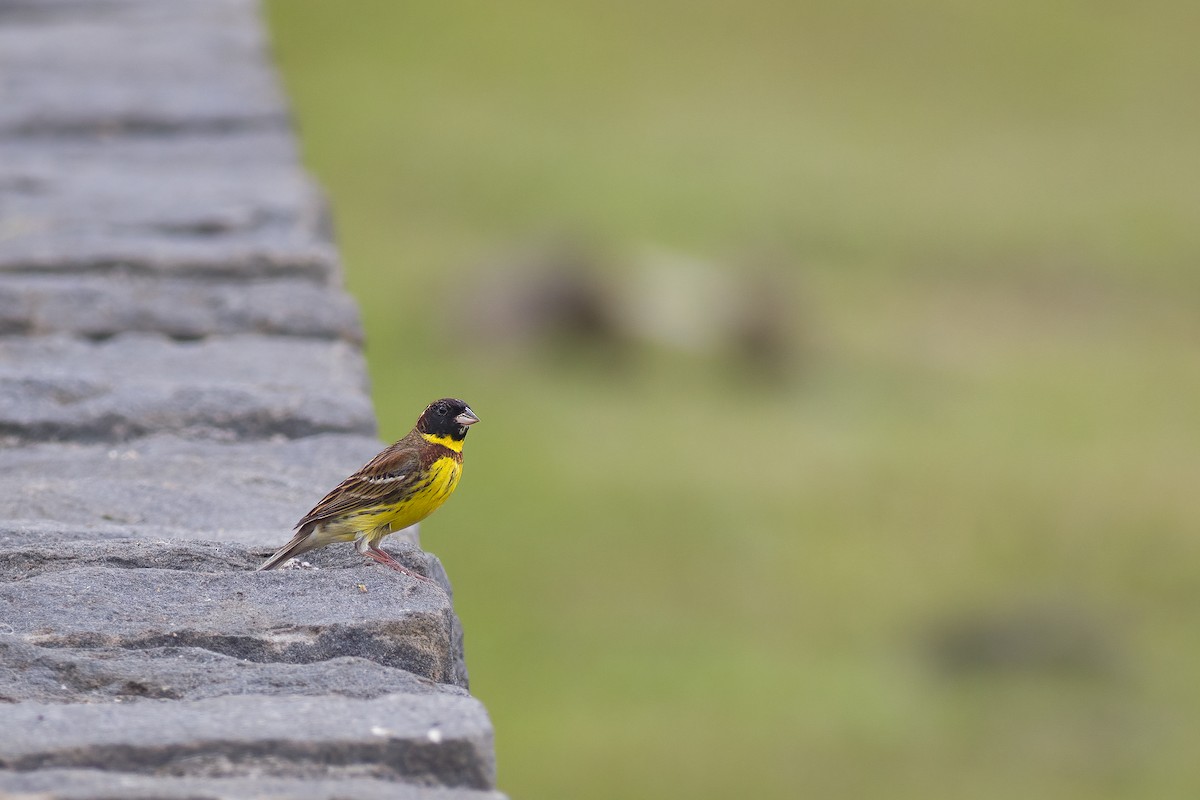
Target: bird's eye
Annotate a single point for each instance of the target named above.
(441, 411)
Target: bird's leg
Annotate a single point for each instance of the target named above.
(366, 547)
(385, 559)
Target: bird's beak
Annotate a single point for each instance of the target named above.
(466, 418)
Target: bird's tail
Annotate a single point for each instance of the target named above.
(302, 542)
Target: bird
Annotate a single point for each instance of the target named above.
(401, 486)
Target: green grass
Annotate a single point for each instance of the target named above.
(678, 584)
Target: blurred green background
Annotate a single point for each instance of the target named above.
(863, 460)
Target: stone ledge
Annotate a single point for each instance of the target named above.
(67, 540)
(233, 207)
(102, 306)
(168, 290)
(185, 186)
(43, 547)
(244, 387)
(430, 739)
(162, 485)
(157, 597)
(184, 256)
(80, 784)
(113, 674)
(130, 66)
(293, 616)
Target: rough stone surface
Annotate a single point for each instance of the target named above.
(82, 784)
(177, 187)
(23, 557)
(57, 388)
(57, 541)
(102, 306)
(180, 380)
(248, 492)
(108, 674)
(183, 256)
(297, 616)
(127, 67)
(430, 739)
(146, 594)
(233, 207)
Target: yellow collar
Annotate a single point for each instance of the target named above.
(445, 441)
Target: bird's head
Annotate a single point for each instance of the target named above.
(447, 417)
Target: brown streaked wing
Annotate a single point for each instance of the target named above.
(389, 474)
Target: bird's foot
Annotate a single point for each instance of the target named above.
(391, 563)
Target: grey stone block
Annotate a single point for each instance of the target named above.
(50, 536)
(263, 256)
(97, 785)
(108, 674)
(123, 66)
(166, 487)
(58, 388)
(181, 185)
(80, 784)
(293, 616)
(102, 306)
(234, 206)
(27, 555)
(33, 554)
(430, 739)
(129, 567)
(252, 492)
(149, 185)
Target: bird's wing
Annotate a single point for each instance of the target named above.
(389, 475)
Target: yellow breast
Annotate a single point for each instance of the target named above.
(428, 495)
(434, 487)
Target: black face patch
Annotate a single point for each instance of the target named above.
(439, 419)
